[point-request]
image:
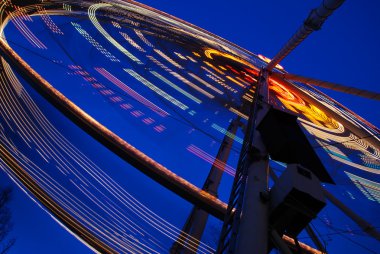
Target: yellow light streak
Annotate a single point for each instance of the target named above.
(237, 112)
(196, 54)
(156, 74)
(200, 80)
(214, 68)
(92, 15)
(156, 89)
(210, 52)
(267, 60)
(236, 82)
(167, 58)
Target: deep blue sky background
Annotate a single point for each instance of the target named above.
(345, 51)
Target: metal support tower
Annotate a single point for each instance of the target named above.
(253, 229)
(242, 232)
(193, 229)
(252, 236)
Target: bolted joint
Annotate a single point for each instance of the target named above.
(314, 21)
(264, 196)
(257, 155)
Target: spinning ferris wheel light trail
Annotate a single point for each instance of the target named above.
(91, 92)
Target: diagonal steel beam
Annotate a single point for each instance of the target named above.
(329, 85)
(120, 147)
(130, 154)
(362, 223)
(312, 23)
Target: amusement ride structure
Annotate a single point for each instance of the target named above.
(141, 133)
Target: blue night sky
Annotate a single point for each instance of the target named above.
(345, 51)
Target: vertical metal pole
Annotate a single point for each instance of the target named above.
(194, 227)
(253, 229)
(212, 182)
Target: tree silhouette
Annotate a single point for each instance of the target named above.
(5, 221)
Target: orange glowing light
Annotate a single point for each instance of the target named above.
(267, 60)
(296, 104)
(251, 71)
(213, 67)
(196, 54)
(210, 52)
(235, 81)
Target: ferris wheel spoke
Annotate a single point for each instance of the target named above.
(312, 23)
(329, 85)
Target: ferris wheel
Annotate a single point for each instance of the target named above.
(142, 133)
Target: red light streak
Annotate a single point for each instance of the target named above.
(211, 160)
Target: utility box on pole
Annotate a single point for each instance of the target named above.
(295, 199)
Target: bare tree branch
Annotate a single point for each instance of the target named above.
(5, 221)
